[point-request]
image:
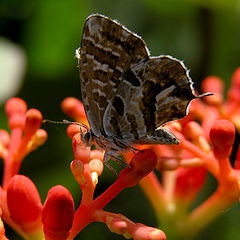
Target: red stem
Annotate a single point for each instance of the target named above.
(10, 166)
(85, 213)
(154, 192)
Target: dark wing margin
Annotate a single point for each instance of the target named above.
(107, 50)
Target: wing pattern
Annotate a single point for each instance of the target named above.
(127, 94)
(107, 51)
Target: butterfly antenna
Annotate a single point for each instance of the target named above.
(204, 95)
(65, 122)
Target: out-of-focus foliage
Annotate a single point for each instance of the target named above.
(173, 5)
(205, 34)
(53, 34)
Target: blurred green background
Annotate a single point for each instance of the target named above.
(37, 46)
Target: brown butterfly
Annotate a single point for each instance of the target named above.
(127, 94)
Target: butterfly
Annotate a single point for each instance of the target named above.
(127, 94)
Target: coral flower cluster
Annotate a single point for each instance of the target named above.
(206, 137)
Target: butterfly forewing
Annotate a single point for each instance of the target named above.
(107, 51)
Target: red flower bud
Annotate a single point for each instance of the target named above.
(15, 109)
(24, 203)
(193, 130)
(222, 136)
(15, 106)
(33, 121)
(4, 142)
(141, 165)
(73, 129)
(73, 108)
(142, 232)
(236, 77)
(4, 138)
(40, 137)
(117, 225)
(58, 213)
(215, 85)
(189, 182)
(81, 152)
(233, 92)
(77, 168)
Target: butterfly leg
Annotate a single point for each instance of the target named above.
(135, 149)
(82, 134)
(115, 158)
(111, 168)
(105, 161)
(128, 146)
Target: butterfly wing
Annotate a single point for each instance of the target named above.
(162, 93)
(107, 51)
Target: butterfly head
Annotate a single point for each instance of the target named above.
(87, 137)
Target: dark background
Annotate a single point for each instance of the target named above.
(205, 34)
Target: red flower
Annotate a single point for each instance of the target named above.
(24, 203)
(222, 137)
(58, 212)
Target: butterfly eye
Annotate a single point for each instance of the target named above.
(87, 137)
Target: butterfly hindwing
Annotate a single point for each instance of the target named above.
(160, 91)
